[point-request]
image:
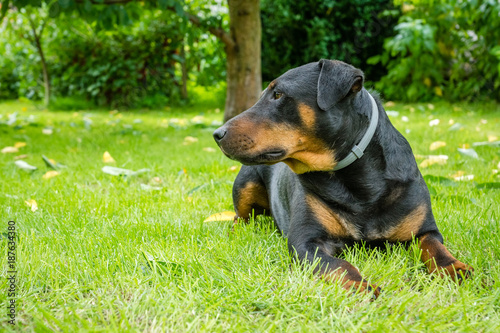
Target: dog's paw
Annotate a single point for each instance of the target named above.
(365, 287)
(458, 271)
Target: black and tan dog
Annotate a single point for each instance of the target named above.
(347, 174)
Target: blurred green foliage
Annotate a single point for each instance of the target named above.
(299, 32)
(443, 49)
(131, 55)
(130, 66)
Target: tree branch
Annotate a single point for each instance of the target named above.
(218, 32)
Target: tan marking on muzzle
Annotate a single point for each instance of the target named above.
(305, 153)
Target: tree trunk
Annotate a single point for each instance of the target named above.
(244, 78)
(46, 79)
(184, 70)
(36, 39)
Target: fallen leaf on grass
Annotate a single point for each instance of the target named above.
(234, 168)
(189, 140)
(50, 174)
(389, 104)
(437, 145)
(209, 149)
(32, 205)
(434, 122)
(114, 171)
(107, 158)
(455, 127)
(464, 177)
(486, 143)
(20, 144)
(12, 119)
(434, 159)
(198, 120)
(52, 163)
(10, 150)
(468, 152)
(150, 188)
(25, 166)
(47, 131)
(20, 157)
(223, 216)
(392, 113)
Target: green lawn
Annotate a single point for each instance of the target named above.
(108, 253)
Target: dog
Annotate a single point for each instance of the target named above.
(347, 175)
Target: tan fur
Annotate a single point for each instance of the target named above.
(408, 227)
(439, 260)
(332, 222)
(307, 115)
(250, 195)
(305, 153)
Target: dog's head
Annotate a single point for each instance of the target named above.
(298, 120)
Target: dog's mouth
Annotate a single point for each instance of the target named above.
(268, 157)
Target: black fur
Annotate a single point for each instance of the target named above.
(373, 195)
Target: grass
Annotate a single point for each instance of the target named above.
(132, 254)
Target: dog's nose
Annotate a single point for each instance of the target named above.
(219, 134)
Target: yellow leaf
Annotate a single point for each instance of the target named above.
(223, 216)
(50, 174)
(20, 157)
(198, 119)
(24, 109)
(20, 144)
(437, 145)
(234, 168)
(106, 158)
(189, 139)
(434, 159)
(32, 204)
(209, 150)
(427, 82)
(457, 174)
(492, 138)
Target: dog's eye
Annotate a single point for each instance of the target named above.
(277, 95)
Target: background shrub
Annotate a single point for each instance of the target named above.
(299, 32)
(447, 49)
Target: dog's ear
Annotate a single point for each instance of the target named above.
(337, 80)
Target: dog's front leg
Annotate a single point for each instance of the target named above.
(439, 260)
(329, 268)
